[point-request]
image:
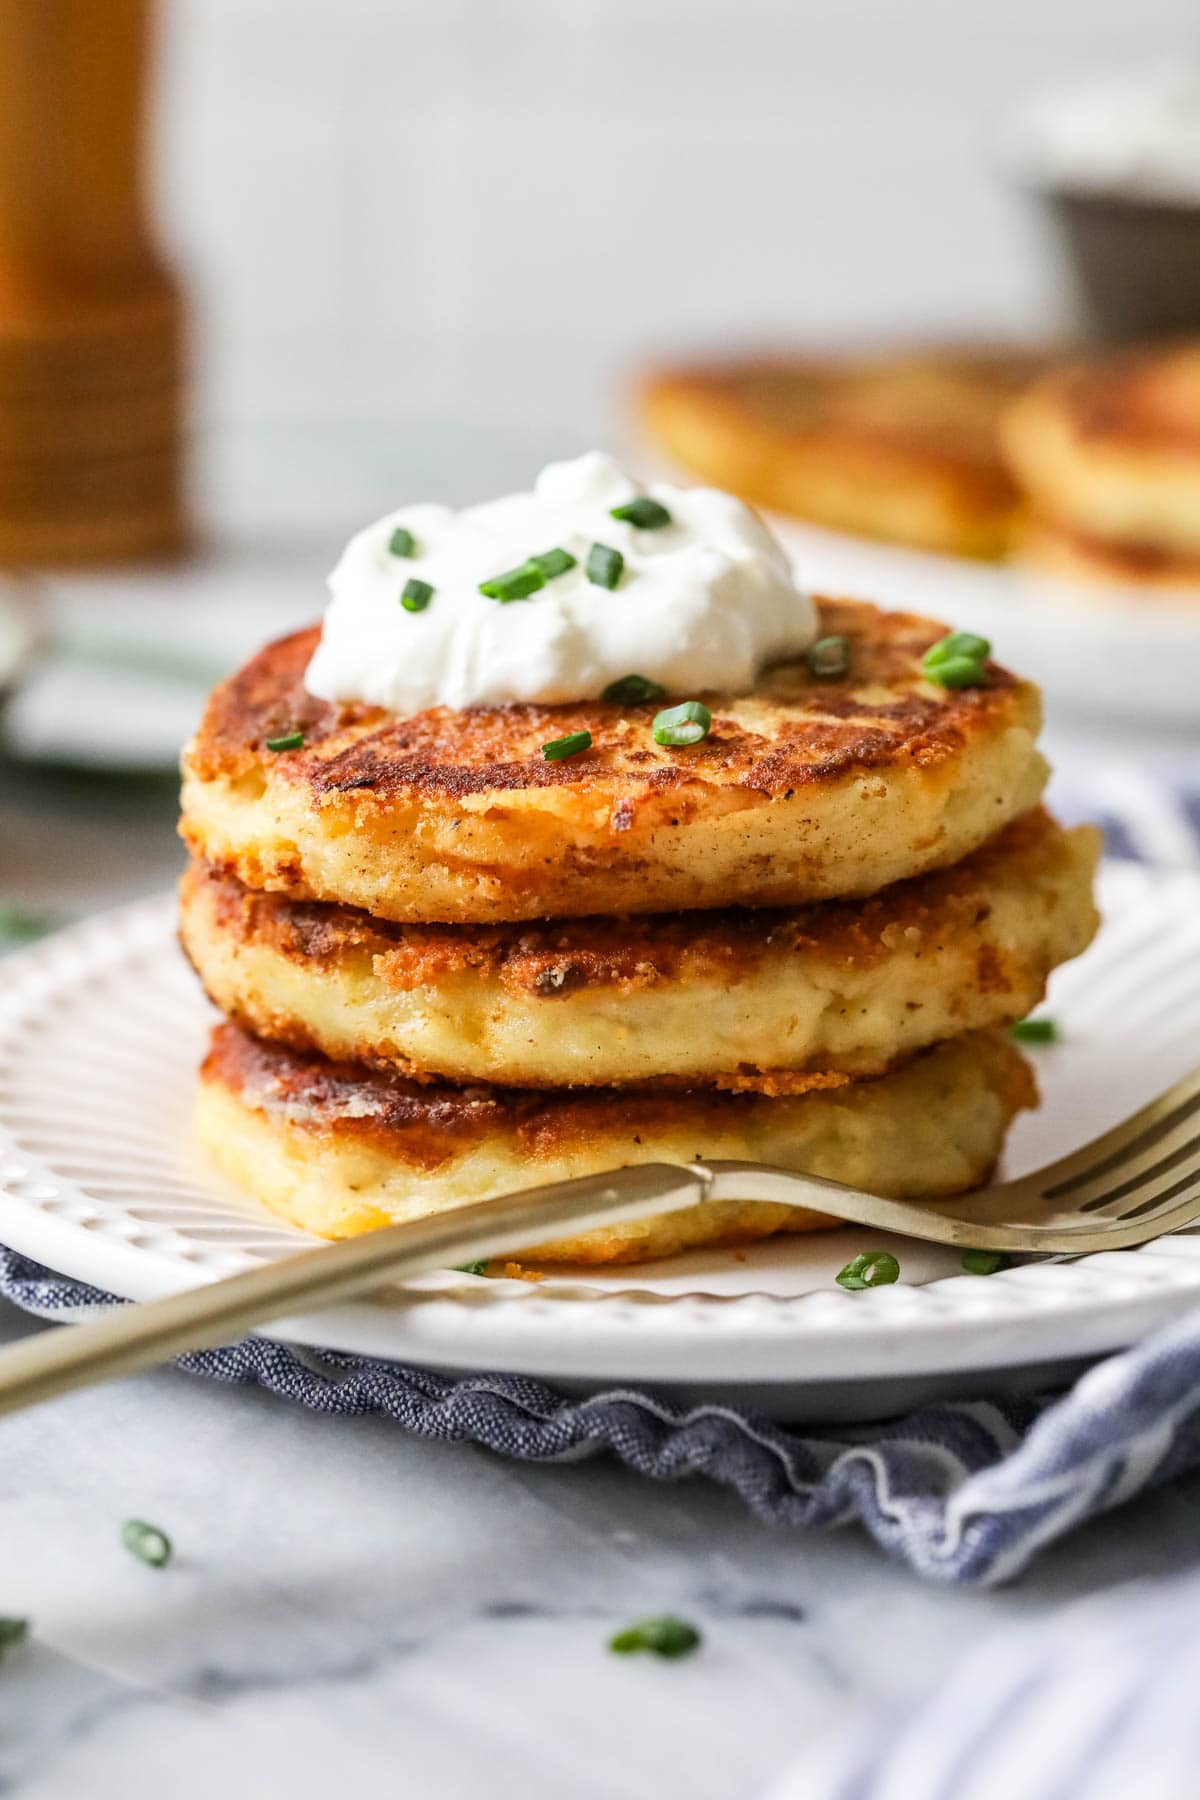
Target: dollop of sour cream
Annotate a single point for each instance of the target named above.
(704, 602)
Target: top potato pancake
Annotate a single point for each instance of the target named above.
(803, 790)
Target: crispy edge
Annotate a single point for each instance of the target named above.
(549, 960)
(430, 1126)
(821, 732)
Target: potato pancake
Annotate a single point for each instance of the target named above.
(337, 1149)
(1109, 454)
(804, 790)
(901, 445)
(766, 1000)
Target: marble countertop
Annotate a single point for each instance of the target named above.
(348, 1605)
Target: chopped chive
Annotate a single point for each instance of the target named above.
(12, 1632)
(681, 725)
(829, 658)
(571, 745)
(146, 1542)
(474, 1268)
(874, 1268)
(417, 595)
(983, 1262)
(667, 1637)
(959, 672)
(21, 925)
(604, 565)
(402, 542)
(292, 741)
(553, 562)
(958, 643)
(514, 584)
(632, 690)
(957, 661)
(1034, 1031)
(645, 513)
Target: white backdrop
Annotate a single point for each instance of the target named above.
(492, 209)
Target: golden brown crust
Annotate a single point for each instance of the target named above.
(789, 1001)
(900, 446)
(338, 1150)
(429, 1124)
(458, 816)
(436, 1122)
(885, 714)
(549, 960)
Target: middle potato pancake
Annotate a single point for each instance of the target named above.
(777, 1001)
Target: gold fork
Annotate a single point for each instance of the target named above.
(1134, 1183)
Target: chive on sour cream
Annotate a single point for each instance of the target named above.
(702, 599)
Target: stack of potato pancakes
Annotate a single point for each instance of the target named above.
(452, 968)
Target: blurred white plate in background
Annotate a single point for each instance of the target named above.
(126, 657)
(129, 654)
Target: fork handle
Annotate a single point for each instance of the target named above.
(136, 1337)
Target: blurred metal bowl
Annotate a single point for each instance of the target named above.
(1135, 262)
(1113, 159)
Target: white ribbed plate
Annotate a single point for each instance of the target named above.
(102, 1026)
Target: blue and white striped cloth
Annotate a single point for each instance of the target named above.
(1147, 815)
(963, 1493)
(1096, 1703)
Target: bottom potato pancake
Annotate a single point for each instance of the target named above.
(337, 1149)
(774, 1001)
